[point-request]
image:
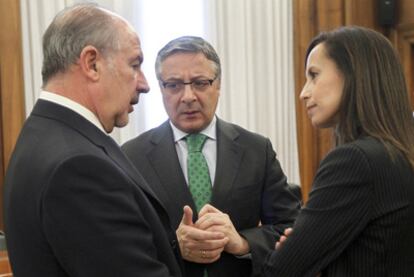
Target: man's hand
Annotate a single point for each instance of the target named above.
(212, 219)
(196, 245)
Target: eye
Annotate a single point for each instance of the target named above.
(171, 85)
(201, 84)
(312, 74)
(136, 66)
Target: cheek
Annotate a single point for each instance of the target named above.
(331, 104)
(336, 105)
(208, 102)
(171, 103)
(337, 95)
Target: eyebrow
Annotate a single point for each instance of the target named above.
(311, 67)
(198, 77)
(138, 58)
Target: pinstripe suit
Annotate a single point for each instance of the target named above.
(359, 220)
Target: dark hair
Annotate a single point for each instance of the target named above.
(71, 30)
(188, 44)
(375, 99)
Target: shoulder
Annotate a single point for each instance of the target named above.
(241, 134)
(370, 146)
(144, 139)
(358, 159)
(366, 150)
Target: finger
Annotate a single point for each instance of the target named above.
(200, 260)
(184, 235)
(207, 208)
(288, 231)
(187, 216)
(277, 245)
(218, 228)
(211, 254)
(196, 234)
(206, 245)
(202, 255)
(211, 219)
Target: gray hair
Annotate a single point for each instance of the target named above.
(188, 44)
(71, 30)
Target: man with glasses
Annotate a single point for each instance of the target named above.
(212, 176)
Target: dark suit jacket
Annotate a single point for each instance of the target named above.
(358, 221)
(75, 206)
(249, 186)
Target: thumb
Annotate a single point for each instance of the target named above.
(187, 216)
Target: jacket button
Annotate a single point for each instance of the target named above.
(173, 244)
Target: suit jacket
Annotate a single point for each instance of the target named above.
(75, 206)
(358, 221)
(249, 186)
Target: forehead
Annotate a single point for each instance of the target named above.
(184, 61)
(129, 39)
(319, 57)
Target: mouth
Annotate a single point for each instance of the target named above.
(192, 114)
(132, 103)
(310, 108)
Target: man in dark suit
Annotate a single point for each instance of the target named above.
(74, 205)
(249, 201)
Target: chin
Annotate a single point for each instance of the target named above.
(190, 128)
(323, 125)
(122, 122)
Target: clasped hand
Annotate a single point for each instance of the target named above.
(283, 237)
(213, 233)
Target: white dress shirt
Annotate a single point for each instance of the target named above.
(72, 105)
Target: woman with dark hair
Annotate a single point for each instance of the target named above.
(359, 219)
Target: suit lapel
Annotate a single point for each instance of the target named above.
(229, 155)
(94, 135)
(115, 153)
(164, 160)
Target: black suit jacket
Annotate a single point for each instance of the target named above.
(75, 206)
(358, 221)
(249, 186)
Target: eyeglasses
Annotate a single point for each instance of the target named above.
(196, 85)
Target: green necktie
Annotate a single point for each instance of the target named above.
(197, 169)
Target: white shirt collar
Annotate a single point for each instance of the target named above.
(72, 105)
(210, 131)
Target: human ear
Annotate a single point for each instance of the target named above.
(88, 62)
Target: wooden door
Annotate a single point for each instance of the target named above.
(2, 171)
(11, 85)
(402, 35)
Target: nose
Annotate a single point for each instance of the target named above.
(142, 84)
(188, 94)
(305, 93)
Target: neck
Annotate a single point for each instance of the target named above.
(63, 84)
